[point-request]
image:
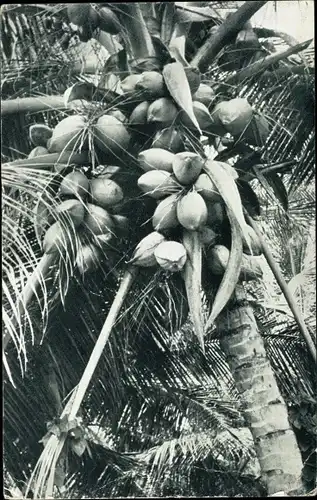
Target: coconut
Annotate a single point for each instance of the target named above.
(122, 223)
(187, 167)
(143, 255)
(205, 186)
(169, 139)
(38, 151)
(78, 13)
(73, 210)
(165, 215)
(193, 78)
(39, 134)
(207, 236)
(88, 258)
(204, 94)
(216, 214)
(129, 83)
(117, 114)
(158, 183)
(162, 111)
(75, 184)
(111, 136)
(235, 115)
(108, 21)
(152, 84)
(97, 220)
(202, 115)
(68, 134)
(58, 239)
(171, 255)
(217, 261)
(156, 159)
(192, 211)
(256, 246)
(139, 114)
(105, 192)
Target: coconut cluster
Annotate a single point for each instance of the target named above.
(187, 199)
(86, 220)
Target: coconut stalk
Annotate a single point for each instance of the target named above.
(32, 104)
(255, 68)
(139, 39)
(284, 287)
(263, 406)
(226, 31)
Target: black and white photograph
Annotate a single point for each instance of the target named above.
(158, 250)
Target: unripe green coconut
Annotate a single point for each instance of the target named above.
(116, 113)
(162, 111)
(122, 223)
(165, 215)
(207, 236)
(105, 192)
(97, 220)
(218, 258)
(152, 84)
(202, 115)
(216, 214)
(156, 159)
(205, 186)
(193, 78)
(75, 184)
(235, 115)
(169, 139)
(38, 151)
(111, 136)
(158, 184)
(204, 94)
(69, 134)
(192, 211)
(59, 238)
(128, 84)
(139, 114)
(171, 255)
(72, 210)
(143, 255)
(39, 134)
(187, 167)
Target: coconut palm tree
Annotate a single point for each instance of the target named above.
(141, 374)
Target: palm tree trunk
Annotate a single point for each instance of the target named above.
(263, 406)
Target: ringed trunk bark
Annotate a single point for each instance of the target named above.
(264, 408)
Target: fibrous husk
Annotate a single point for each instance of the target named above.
(139, 114)
(217, 261)
(38, 151)
(111, 136)
(72, 209)
(143, 255)
(165, 215)
(69, 134)
(97, 220)
(235, 115)
(152, 84)
(40, 134)
(105, 192)
(158, 184)
(75, 184)
(207, 188)
(156, 159)
(162, 111)
(192, 211)
(170, 139)
(59, 238)
(187, 167)
(108, 21)
(88, 258)
(204, 94)
(171, 255)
